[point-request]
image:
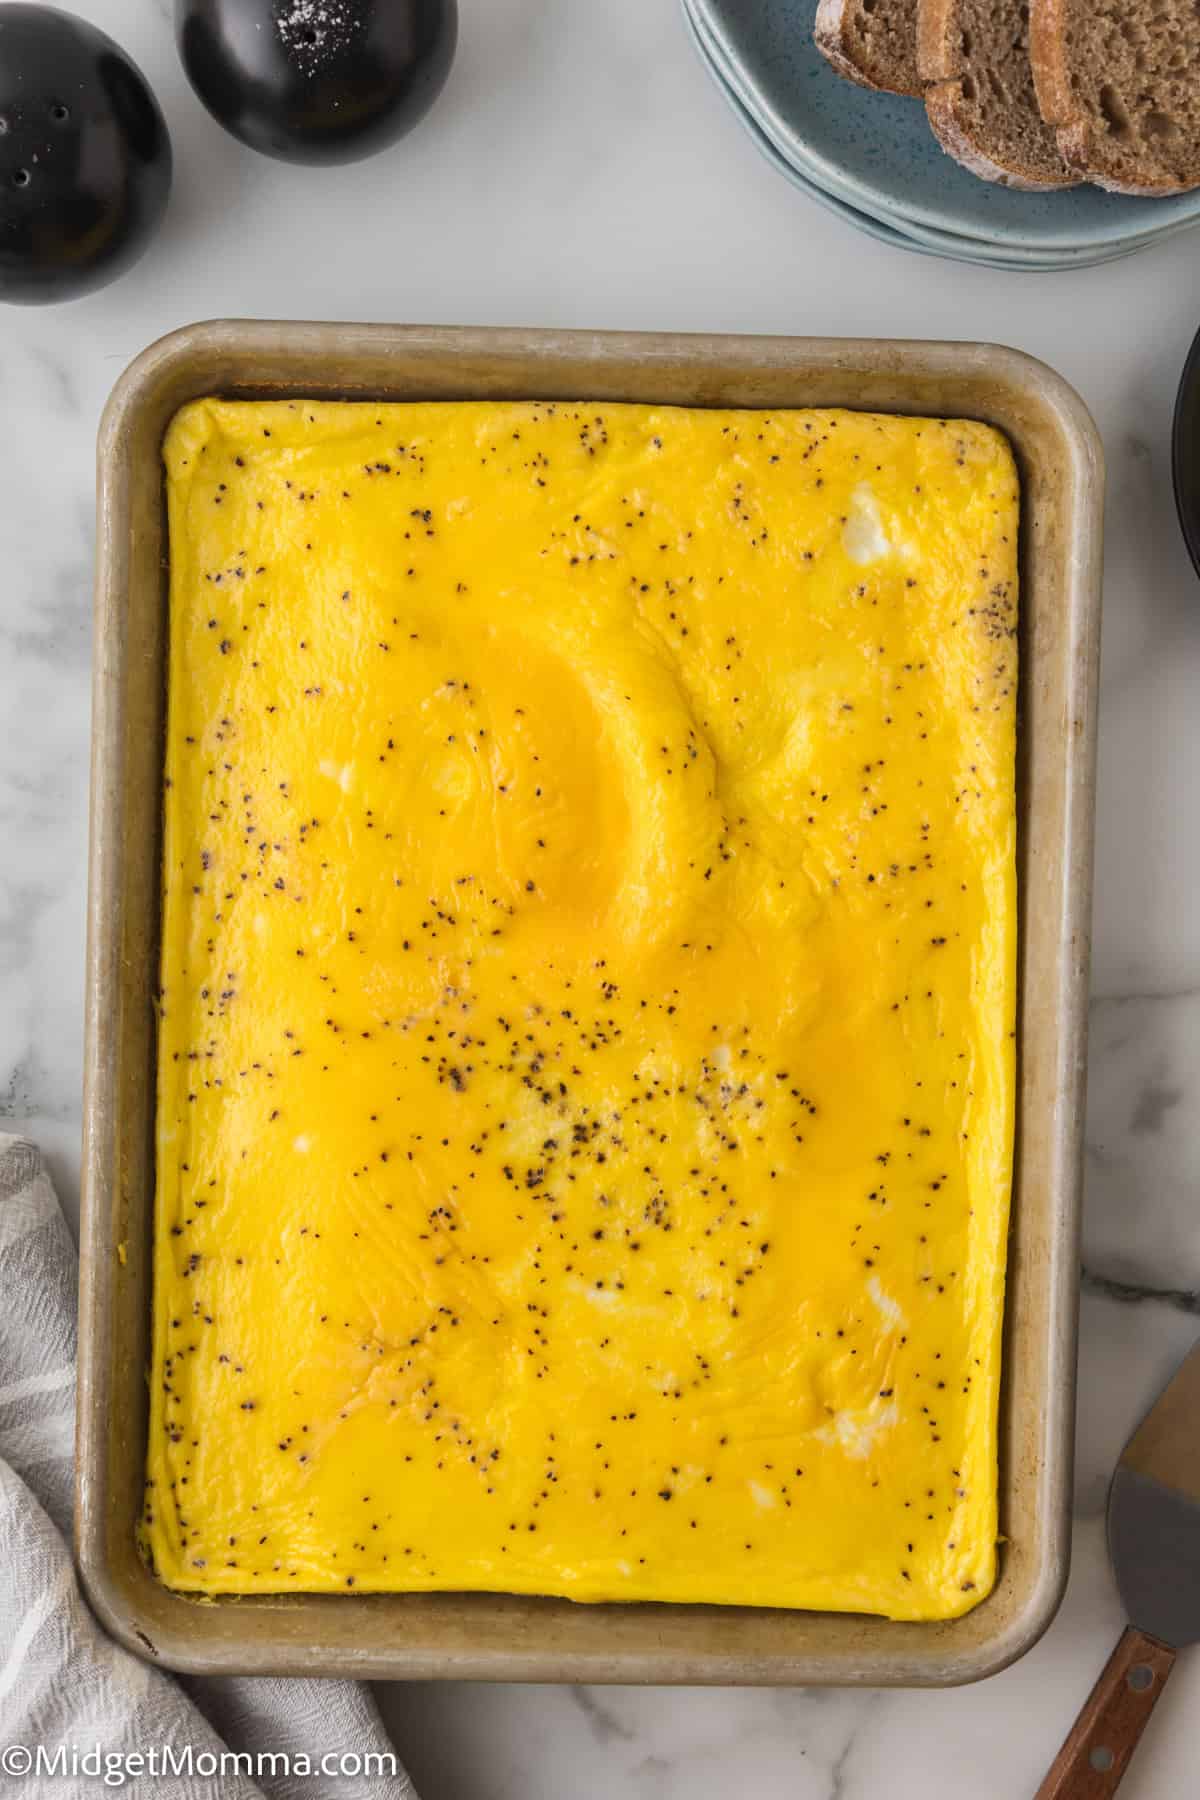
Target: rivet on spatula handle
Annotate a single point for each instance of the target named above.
(1103, 1738)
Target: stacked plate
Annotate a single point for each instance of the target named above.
(872, 159)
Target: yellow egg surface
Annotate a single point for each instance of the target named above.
(586, 1061)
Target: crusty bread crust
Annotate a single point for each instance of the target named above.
(831, 49)
(830, 37)
(941, 105)
(944, 65)
(1048, 60)
(934, 57)
(1075, 142)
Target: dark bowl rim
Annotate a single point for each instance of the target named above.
(1185, 447)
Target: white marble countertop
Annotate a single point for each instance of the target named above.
(580, 169)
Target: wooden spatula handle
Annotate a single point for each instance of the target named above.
(1103, 1738)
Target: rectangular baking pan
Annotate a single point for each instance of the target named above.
(483, 1636)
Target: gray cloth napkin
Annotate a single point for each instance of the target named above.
(63, 1682)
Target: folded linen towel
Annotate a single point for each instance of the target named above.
(64, 1684)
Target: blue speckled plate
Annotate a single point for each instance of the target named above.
(923, 240)
(886, 234)
(956, 249)
(952, 244)
(876, 154)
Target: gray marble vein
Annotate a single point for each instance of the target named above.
(1130, 1293)
(603, 1721)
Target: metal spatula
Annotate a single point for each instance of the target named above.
(1154, 1541)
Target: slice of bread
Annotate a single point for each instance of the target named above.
(872, 42)
(982, 105)
(1120, 80)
